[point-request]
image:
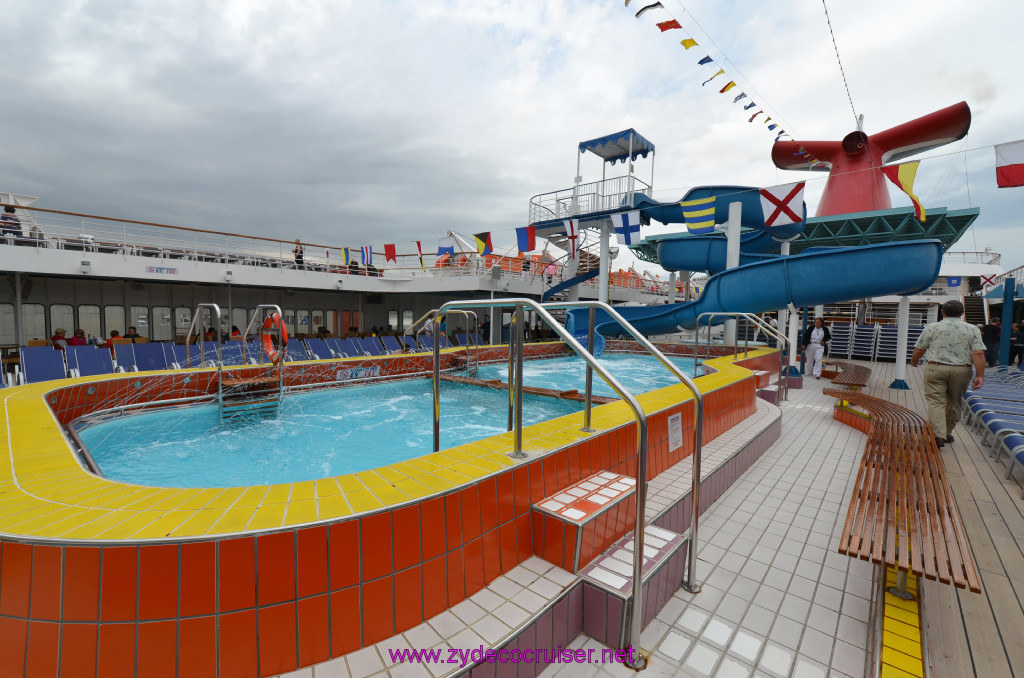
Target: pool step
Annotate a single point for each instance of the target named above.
(608, 583)
(574, 526)
(253, 397)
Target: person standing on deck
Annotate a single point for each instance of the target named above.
(815, 338)
(952, 346)
(990, 335)
(1016, 345)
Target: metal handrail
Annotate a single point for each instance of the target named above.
(768, 329)
(516, 384)
(215, 309)
(258, 318)
(469, 342)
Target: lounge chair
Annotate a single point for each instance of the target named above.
(88, 361)
(231, 353)
(371, 346)
(319, 349)
(475, 338)
(350, 349)
(391, 344)
(124, 356)
(410, 342)
(41, 363)
(426, 342)
(149, 357)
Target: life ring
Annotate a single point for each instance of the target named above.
(273, 320)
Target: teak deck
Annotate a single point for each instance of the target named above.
(903, 513)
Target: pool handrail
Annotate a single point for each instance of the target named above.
(780, 338)
(476, 349)
(215, 322)
(516, 384)
(256, 324)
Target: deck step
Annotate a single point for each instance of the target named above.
(589, 516)
(608, 583)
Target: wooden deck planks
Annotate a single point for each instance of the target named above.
(970, 634)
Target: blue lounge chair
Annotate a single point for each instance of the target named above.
(319, 349)
(371, 346)
(350, 349)
(410, 342)
(426, 342)
(391, 344)
(444, 341)
(149, 357)
(231, 353)
(462, 339)
(41, 363)
(88, 361)
(124, 355)
(254, 353)
(334, 344)
(475, 338)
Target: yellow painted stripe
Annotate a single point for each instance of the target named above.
(902, 652)
(45, 493)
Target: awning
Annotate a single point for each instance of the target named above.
(615, 147)
(996, 293)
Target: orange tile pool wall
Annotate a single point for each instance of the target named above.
(259, 604)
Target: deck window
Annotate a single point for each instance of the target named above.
(113, 319)
(34, 318)
(239, 318)
(392, 320)
(407, 319)
(162, 328)
(138, 318)
(62, 316)
(7, 329)
(89, 320)
(302, 320)
(289, 320)
(332, 322)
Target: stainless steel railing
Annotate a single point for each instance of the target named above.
(215, 323)
(780, 338)
(257, 320)
(516, 394)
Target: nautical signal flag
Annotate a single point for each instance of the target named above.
(688, 43)
(526, 238)
(728, 87)
(345, 258)
(668, 25)
(367, 252)
(699, 215)
(445, 246)
(1010, 164)
(705, 60)
(783, 205)
(419, 249)
(720, 72)
(389, 254)
(953, 281)
(627, 227)
(903, 176)
(573, 235)
(483, 243)
(648, 8)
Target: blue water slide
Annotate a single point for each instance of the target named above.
(805, 279)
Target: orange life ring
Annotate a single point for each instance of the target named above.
(268, 343)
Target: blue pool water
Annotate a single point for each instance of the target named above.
(337, 431)
(637, 373)
(315, 435)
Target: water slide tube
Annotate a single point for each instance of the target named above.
(807, 279)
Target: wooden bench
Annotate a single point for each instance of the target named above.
(852, 376)
(902, 513)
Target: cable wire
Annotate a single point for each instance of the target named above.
(856, 119)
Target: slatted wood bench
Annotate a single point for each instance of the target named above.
(902, 513)
(852, 376)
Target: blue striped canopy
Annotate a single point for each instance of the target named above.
(615, 147)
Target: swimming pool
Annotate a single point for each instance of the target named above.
(315, 435)
(637, 373)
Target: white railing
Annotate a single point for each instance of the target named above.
(598, 196)
(986, 257)
(86, 233)
(1015, 273)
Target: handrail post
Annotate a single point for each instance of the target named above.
(517, 450)
(437, 385)
(591, 317)
(511, 372)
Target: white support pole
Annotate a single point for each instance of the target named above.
(732, 258)
(932, 315)
(606, 262)
(794, 341)
(784, 312)
(672, 287)
(903, 325)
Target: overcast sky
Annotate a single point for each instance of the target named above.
(378, 121)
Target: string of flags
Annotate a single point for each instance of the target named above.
(706, 60)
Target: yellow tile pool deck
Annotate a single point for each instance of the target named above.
(46, 493)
